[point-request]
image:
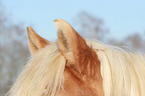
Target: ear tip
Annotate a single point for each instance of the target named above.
(30, 31)
(60, 24)
(58, 20)
(29, 28)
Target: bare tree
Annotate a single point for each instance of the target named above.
(93, 27)
(13, 52)
(90, 26)
(134, 41)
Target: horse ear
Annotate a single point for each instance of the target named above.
(75, 49)
(69, 41)
(35, 41)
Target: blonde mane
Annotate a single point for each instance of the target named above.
(44, 70)
(123, 72)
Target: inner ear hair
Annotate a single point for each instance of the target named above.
(35, 41)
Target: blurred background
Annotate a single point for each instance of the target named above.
(120, 23)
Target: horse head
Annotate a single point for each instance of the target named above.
(82, 76)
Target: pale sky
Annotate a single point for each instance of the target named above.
(121, 17)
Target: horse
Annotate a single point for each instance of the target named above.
(74, 66)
